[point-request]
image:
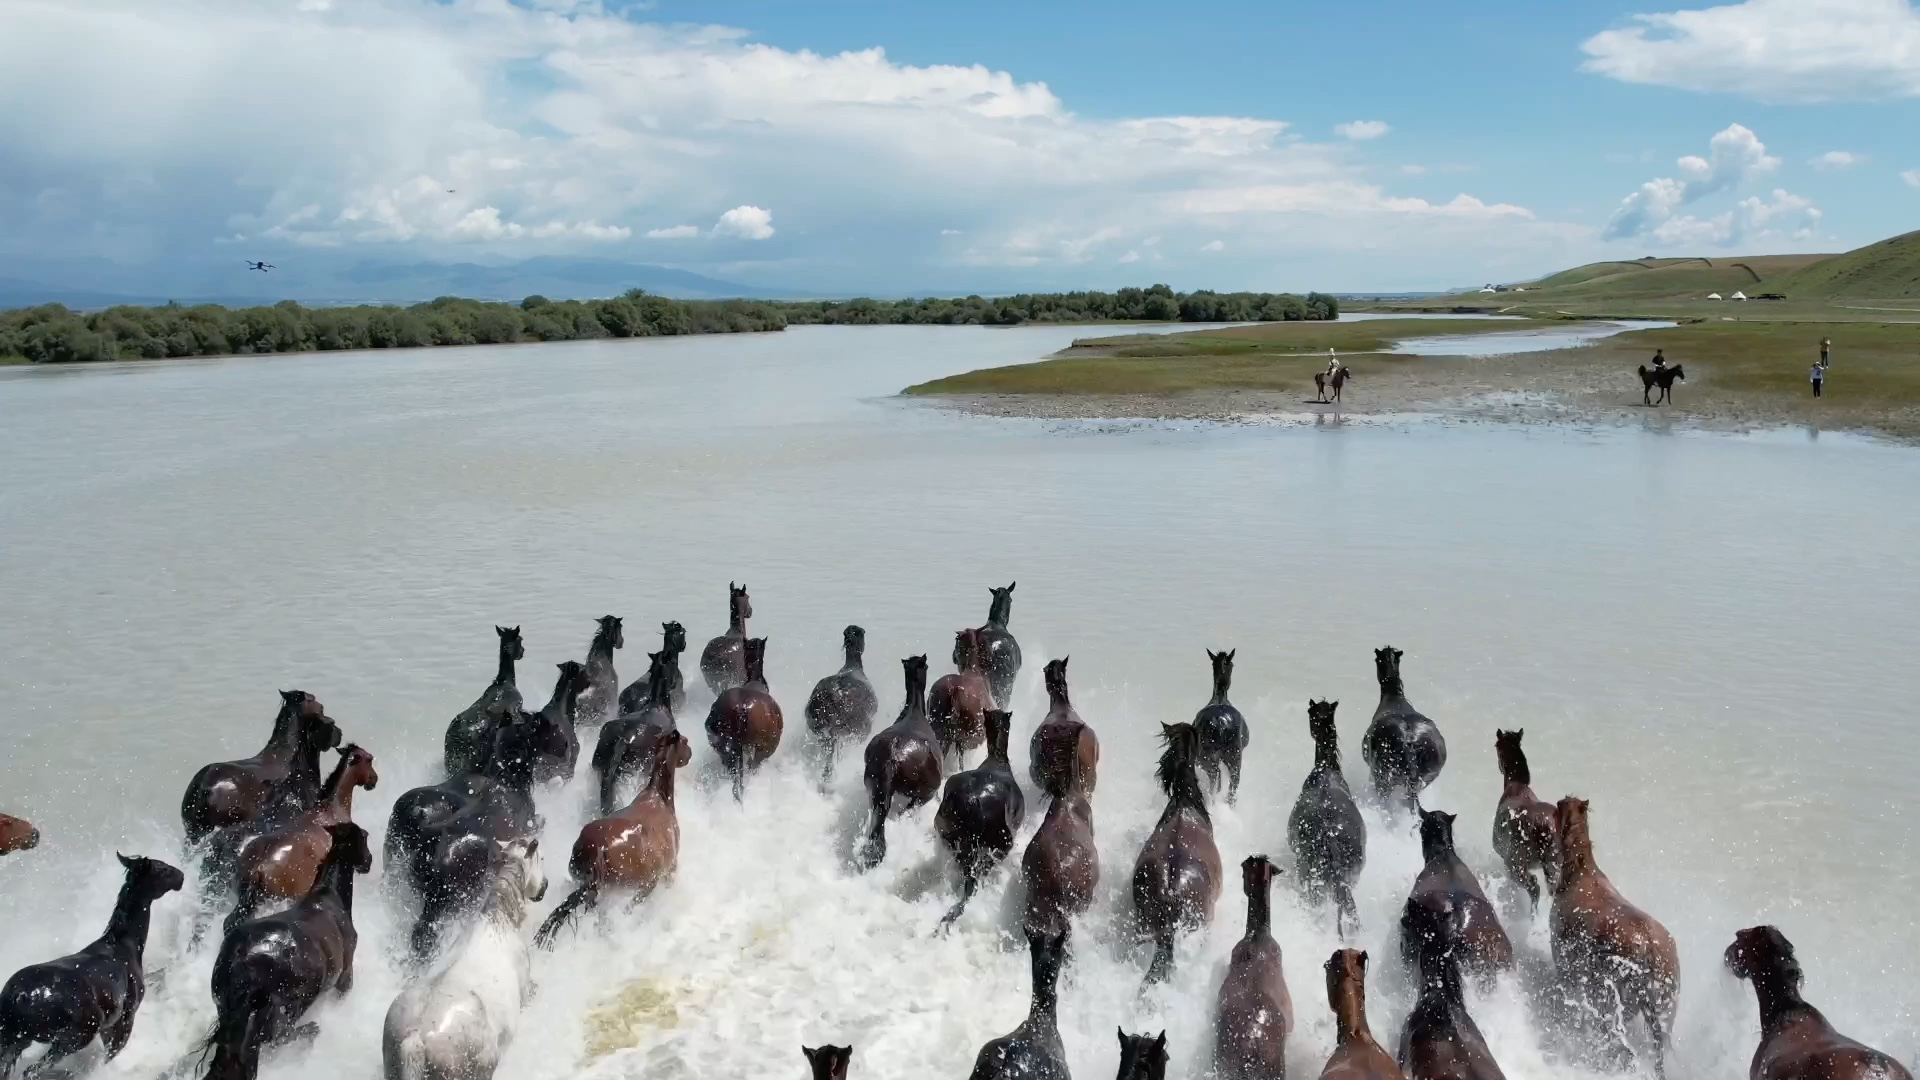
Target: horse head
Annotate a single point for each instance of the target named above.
(673, 638)
(1001, 609)
(828, 1062)
(1257, 873)
(1055, 677)
(150, 879)
(1512, 759)
(610, 632)
(350, 847)
(1760, 951)
(1142, 1057)
(1320, 721)
(510, 643)
(520, 877)
(739, 604)
(1386, 667)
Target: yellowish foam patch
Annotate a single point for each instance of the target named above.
(642, 1007)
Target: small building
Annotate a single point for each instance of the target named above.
(1715, 296)
(1739, 296)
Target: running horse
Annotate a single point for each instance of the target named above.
(1001, 651)
(745, 723)
(284, 863)
(1446, 886)
(626, 745)
(673, 642)
(230, 793)
(1356, 1054)
(1063, 746)
(469, 734)
(723, 663)
(1223, 731)
(556, 745)
(1255, 1013)
(633, 850)
(1176, 880)
(980, 812)
(1403, 749)
(601, 696)
(902, 761)
(1523, 834)
(1061, 866)
(1032, 1051)
(1796, 1041)
(842, 705)
(1662, 378)
(17, 834)
(1325, 830)
(958, 703)
(1440, 1040)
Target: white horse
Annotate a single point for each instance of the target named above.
(456, 1024)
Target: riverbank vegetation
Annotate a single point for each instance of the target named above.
(55, 334)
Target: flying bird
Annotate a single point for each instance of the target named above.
(260, 266)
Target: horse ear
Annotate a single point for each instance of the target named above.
(1011, 585)
(124, 861)
(1161, 1042)
(810, 1052)
(1363, 959)
(1122, 1032)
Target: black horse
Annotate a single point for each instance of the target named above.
(723, 663)
(1001, 651)
(627, 744)
(981, 811)
(441, 838)
(229, 793)
(1440, 1037)
(271, 970)
(94, 993)
(1661, 378)
(842, 705)
(1223, 731)
(1325, 830)
(467, 736)
(1142, 1057)
(556, 746)
(673, 642)
(1403, 749)
(601, 696)
(1032, 1051)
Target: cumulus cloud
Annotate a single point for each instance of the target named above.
(745, 223)
(1362, 130)
(1783, 215)
(560, 124)
(1734, 157)
(1912, 177)
(1779, 51)
(1214, 245)
(1835, 160)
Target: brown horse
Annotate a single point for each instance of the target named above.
(828, 1062)
(723, 663)
(634, 850)
(842, 705)
(1446, 886)
(1796, 1041)
(231, 793)
(1142, 1057)
(1522, 822)
(1608, 952)
(1356, 1056)
(17, 834)
(1062, 738)
(1176, 880)
(1440, 1040)
(1061, 866)
(958, 703)
(1256, 1013)
(283, 864)
(903, 761)
(745, 723)
(1659, 377)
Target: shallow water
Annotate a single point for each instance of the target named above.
(1711, 638)
(1511, 342)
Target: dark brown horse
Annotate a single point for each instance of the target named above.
(1142, 1057)
(271, 970)
(723, 663)
(469, 734)
(1446, 885)
(1223, 731)
(673, 642)
(980, 812)
(230, 793)
(633, 850)
(958, 703)
(1256, 1014)
(1663, 379)
(1176, 880)
(1002, 651)
(1441, 1041)
(902, 762)
(1403, 749)
(1032, 1051)
(1063, 745)
(842, 705)
(745, 723)
(1325, 830)
(1356, 1056)
(1522, 822)
(828, 1062)
(626, 745)
(1061, 866)
(1796, 1041)
(283, 864)
(94, 993)
(1616, 958)
(17, 834)
(557, 742)
(601, 697)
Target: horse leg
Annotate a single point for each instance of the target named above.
(969, 881)
(1233, 777)
(64, 1045)
(1211, 766)
(1162, 965)
(831, 752)
(11, 1047)
(1346, 913)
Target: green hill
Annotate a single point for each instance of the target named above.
(1888, 270)
(1666, 279)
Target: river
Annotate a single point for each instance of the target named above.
(1710, 637)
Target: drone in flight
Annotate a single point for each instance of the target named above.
(260, 266)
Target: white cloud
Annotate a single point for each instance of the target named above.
(1735, 156)
(745, 223)
(1784, 215)
(558, 129)
(1361, 130)
(1771, 50)
(1214, 245)
(674, 232)
(1835, 160)
(1129, 257)
(1912, 177)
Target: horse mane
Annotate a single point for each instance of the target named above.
(509, 894)
(1176, 772)
(332, 783)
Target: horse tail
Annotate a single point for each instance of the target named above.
(584, 898)
(1162, 965)
(969, 881)
(235, 1040)
(880, 799)
(1346, 912)
(609, 781)
(246, 904)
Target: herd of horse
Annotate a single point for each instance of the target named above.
(271, 832)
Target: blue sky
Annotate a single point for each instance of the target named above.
(868, 146)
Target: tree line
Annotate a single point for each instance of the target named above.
(53, 334)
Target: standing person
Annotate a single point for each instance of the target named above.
(1818, 376)
(1826, 347)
